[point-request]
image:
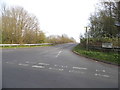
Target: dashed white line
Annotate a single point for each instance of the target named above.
(103, 70)
(101, 75)
(74, 71)
(58, 69)
(58, 53)
(43, 64)
(30, 62)
(23, 64)
(55, 65)
(27, 62)
(105, 76)
(61, 69)
(79, 68)
(35, 66)
(100, 70)
(60, 66)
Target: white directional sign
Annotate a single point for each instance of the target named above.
(107, 45)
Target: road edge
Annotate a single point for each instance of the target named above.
(107, 62)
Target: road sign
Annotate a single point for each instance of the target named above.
(107, 45)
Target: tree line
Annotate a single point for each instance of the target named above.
(104, 24)
(57, 39)
(19, 27)
(103, 21)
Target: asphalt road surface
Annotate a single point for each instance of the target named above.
(54, 67)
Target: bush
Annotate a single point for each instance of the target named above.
(99, 41)
(111, 57)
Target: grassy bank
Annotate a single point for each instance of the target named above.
(103, 56)
(23, 46)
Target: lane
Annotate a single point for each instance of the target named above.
(55, 67)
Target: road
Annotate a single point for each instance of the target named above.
(55, 67)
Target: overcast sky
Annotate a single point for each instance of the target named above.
(58, 17)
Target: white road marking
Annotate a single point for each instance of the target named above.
(60, 66)
(74, 71)
(79, 68)
(58, 53)
(61, 69)
(58, 69)
(100, 70)
(105, 76)
(30, 62)
(43, 64)
(103, 70)
(101, 75)
(35, 66)
(27, 62)
(64, 66)
(96, 61)
(50, 68)
(23, 64)
(55, 65)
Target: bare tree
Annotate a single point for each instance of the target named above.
(18, 26)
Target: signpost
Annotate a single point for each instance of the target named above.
(87, 41)
(107, 45)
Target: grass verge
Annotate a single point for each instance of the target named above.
(110, 57)
(22, 46)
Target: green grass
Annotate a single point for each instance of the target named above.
(22, 46)
(110, 56)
